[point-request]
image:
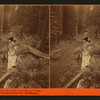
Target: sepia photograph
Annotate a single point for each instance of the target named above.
(24, 46)
(75, 46)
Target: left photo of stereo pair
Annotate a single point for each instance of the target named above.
(24, 46)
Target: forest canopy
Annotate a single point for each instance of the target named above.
(33, 19)
(68, 21)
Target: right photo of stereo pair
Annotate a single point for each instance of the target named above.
(75, 46)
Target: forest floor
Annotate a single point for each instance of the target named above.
(33, 71)
(3, 50)
(64, 67)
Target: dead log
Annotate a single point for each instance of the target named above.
(57, 51)
(37, 53)
(74, 80)
(7, 83)
(22, 50)
(6, 75)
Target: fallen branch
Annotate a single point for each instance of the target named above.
(37, 53)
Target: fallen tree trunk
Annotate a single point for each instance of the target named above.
(7, 83)
(6, 75)
(74, 80)
(56, 51)
(37, 53)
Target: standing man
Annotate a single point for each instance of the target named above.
(85, 53)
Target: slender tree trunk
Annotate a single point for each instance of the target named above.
(80, 22)
(5, 19)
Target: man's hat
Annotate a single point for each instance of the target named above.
(86, 39)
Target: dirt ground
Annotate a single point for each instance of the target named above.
(64, 66)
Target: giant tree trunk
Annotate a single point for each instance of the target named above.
(43, 29)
